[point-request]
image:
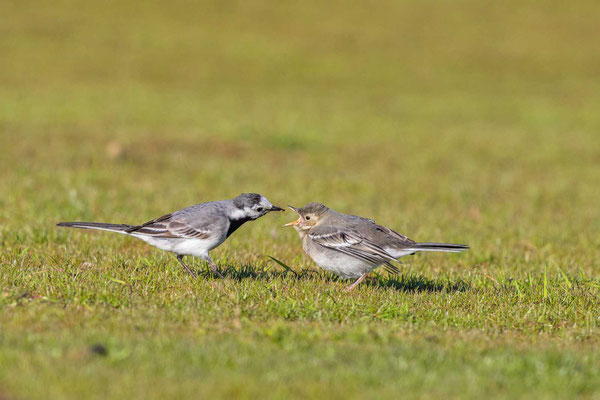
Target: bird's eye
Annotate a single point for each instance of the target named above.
(307, 217)
(259, 209)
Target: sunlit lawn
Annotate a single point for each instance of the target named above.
(469, 122)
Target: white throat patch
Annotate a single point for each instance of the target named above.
(238, 214)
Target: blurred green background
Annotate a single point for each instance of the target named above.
(458, 121)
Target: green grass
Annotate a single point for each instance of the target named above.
(469, 121)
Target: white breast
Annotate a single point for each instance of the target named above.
(191, 247)
(339, 263)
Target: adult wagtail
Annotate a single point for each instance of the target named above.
(194, 230)
(352, 246)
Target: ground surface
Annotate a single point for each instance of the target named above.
(468, 121)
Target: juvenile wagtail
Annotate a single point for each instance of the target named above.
(352, 246)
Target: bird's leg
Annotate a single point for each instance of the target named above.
(213, 267)
(180, 259)
(356, 282)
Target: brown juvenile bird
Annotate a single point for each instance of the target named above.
(352, 246)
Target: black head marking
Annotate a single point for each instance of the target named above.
(247, 200)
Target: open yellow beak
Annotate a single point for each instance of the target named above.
(296, 222)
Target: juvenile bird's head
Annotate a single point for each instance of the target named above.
(310, 215)
(252, 206)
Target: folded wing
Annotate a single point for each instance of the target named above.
(350, 242)
(170, 226)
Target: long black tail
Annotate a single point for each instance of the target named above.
(445, 247)
(120, 228)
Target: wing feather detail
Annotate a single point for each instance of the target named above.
(353, 244)
(168, 226)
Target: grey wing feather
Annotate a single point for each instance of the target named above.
(376, 233)
(383, 235)
(359, 218)
(397, 236)
(351, 243)
(200, 221)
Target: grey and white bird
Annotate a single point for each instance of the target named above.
(352, 246)
(194, 230)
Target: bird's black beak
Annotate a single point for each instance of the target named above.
(275, 208)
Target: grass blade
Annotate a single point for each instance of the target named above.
(545, 282)
(118, 281)
(565, 277)
(283, 265)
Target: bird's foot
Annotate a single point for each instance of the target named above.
(357, 282)
(192, 273)
(217, 273)
(214, 269)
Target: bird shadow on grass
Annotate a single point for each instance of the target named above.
(418, 283)
(402, 283)
(244, 272)
(240, 273)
